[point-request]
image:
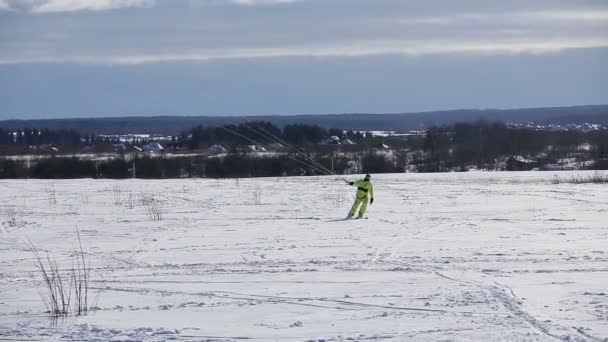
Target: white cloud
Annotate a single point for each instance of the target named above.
(200, 30)
(510, 18)
(360, 49)
(50, 6)
(597, 15)
(4, 6)
(47, 6)
(262, 2)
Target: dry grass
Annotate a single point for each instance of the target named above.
(117, 194)
(596, 178)
(64, 292)
(153, 207)
(257, 195)
(81, 269)
(10, 215)
(55, 292)
(52, 195)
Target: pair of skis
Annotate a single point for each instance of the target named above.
(348, 219)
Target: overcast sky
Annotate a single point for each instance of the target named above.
(79, 58)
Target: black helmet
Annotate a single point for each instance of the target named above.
(368, 176)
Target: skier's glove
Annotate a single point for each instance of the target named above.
(371, 201)
(351, 183)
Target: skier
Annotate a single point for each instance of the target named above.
(365, 191)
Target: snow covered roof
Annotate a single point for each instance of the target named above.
(333, 140)
(256, 148)
(217, 149)
(275, 146)
(521, 159)
(153, 146)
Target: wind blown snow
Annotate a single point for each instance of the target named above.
(463, 256)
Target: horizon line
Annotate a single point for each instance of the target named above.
(296, 115)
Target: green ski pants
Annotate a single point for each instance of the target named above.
(362, 201)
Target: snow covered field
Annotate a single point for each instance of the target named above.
(467, 256)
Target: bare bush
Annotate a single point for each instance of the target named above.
(596, 178)
(10, 215)
(130, 200)
(64, 292)
(257, 195)
(153, 207)
(81, 269)
(52, 195)
(117, 193)
(55, 294)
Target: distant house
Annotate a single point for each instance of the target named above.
(276, 147)
(217, 149)
(174, 146)
(256, 148)
(119, 147)
(519, 163)
(153, 148)
(333, 140)
(47, 149)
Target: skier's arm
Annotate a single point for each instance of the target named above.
(371, 194)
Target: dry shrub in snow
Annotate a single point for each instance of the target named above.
(64, 292)
(117, 193)
(10, 215)
(52, 193)
(153, 207)
(130, 200)
(81, 270)
(122, 196)
(596, 178)
(257, 195)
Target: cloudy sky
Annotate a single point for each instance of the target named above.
(79, 58)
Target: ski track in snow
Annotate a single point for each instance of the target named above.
(467, 256)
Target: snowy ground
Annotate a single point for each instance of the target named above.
(467, 256)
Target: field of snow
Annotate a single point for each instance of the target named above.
(461, 256)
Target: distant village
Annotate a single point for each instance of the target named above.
(262, 149)
(163, 145)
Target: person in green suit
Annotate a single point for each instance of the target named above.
(365, 192)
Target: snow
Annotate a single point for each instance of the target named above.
(459, 256)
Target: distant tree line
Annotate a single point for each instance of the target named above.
(234, 137)
(461, 146)
(38, 137)
(230, 166)
(266, 133)
(29, 140)
(457, 147)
